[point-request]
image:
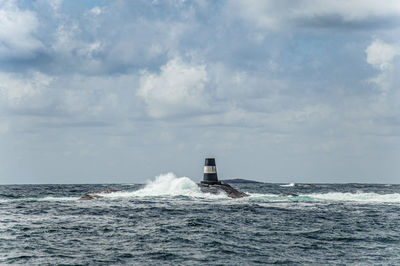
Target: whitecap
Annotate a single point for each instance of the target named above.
(166, 185)
(288, 185)
(358, 197)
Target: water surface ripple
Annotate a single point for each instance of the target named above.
(324, 224)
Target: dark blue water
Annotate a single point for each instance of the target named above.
(171, 222)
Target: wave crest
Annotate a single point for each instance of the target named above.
(167, 185)
(358, 197)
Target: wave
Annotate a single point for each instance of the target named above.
(289, 185)
(358, 197)
(39, 199)
(58, 199)
(166, 185)
(170, 186)
(256, 197)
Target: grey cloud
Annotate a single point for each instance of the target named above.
(76, 124)
(338, 22)
(355, 14)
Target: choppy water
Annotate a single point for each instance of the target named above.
(170, 221)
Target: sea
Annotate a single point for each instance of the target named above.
(169, 221)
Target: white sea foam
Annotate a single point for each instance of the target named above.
(40, 199)
(361, 197)
(257, 197)
(358, 197)
(169, 185)
(289, 185)
(166, 185)
(57, 199)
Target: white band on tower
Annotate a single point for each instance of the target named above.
(210, 169)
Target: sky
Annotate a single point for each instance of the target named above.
(122, 91)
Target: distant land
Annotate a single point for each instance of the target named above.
(239, 180)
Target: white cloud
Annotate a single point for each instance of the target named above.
(177, 89)
(380, 54)
(89, 49)
(17, 28)
(237, 85)
(85, 102)
(63, 101)
(65, 41)
(55, 4)
(96, 11)
(142, 42)
(97, 97)
(73, 50)
(15, 89)
(385, 105)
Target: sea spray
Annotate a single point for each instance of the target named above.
(167, 185)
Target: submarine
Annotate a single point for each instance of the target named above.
(210, 183)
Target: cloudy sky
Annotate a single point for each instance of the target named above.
(121, 91)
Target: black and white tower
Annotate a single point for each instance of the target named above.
(210, 172)
(210, 183)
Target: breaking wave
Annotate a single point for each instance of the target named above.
(358, 197)
(289, 185)
(167, 185)
(170, 186)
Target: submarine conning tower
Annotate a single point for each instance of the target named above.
(210, 172)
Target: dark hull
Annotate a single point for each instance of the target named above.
(222, 187)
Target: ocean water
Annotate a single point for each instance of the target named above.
(169, 221)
